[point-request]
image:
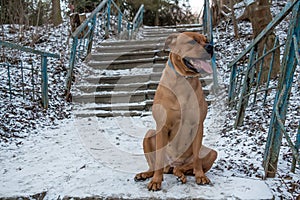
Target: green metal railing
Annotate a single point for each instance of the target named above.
(105, 19)
(18, 81)
(277, 129)
(245, 82)
(208, 31)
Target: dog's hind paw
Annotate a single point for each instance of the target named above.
(182, 179)
(180, 175)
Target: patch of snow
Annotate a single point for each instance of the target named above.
(88, 157)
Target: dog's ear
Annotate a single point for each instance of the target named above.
(170, 41)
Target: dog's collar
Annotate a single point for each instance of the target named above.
(170, 64)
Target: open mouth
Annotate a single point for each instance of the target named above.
(198, 65)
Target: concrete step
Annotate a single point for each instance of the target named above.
(159, 67)
(121, 95)
(141, 106)
(175, 28)
(128, 79)
(191, 29)
(188, 26)
(150, 41)
(118, 109)
(104, 114)
(164, 35)
(98, 56)
(158, 34)
(135, 79)
(127, 64)
(159, 28)
(114, 97)
(129, 48)
(117, 87)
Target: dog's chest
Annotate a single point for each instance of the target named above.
(185, 91)
(183, 116)
(181, 139)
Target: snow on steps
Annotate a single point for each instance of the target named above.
(129, 47)
(127, 64)
(102, 56)
(143, 41)
(123, 75)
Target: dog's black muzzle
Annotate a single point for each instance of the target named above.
(209, 48)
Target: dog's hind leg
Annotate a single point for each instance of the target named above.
(149, 151)
(209, 159)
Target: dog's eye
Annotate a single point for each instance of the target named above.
(192, 42)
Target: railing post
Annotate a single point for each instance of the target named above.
(270, 69)
(108, 19)
(70, 72)
(119, 22)
(243, 101)
(232, 85)
(297, 146)
(284, 88)
(138, 18)
(208, 30)
(9, 80)
(129, 30)
(142, 16)
(91, 35)
(44, 88)
(205, 18)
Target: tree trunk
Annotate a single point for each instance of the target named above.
(235, 27)
(56, 12)
(260, 16)
(157, 3)
(216, 11)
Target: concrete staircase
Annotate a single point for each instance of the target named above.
(120, 77)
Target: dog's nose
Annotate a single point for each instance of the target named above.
(210, 49)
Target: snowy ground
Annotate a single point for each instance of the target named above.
(99, 157)
(90, 157)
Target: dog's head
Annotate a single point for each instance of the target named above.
(191, 51)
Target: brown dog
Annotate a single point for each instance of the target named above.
(179, 110)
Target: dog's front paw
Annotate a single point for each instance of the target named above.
(143, 176)
(202, 180)
(154, 185)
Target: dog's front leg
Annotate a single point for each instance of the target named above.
(201, 178)
(161, 142)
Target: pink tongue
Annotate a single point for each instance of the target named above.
(204, 65)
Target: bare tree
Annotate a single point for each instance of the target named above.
(259, 14)
(56, 12)
(236, 34)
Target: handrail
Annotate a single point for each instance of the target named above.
(27, 49)
(83, 35)
(44, 73)
(82, 26)
(281, 125)
(280, 107)
(246, 80)
(138, 17)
